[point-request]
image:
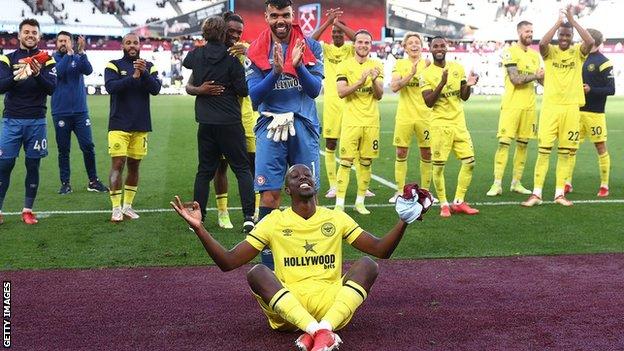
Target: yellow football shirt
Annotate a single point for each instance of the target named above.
(305, 250)
(527, 62)
(361, 107)
(448, 108)
(332, 56)
(563, 76)
(411, 103)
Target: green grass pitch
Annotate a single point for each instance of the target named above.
(503, 228)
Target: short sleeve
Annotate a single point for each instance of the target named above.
(349, 229)
(260, 236)
(341, 72)
(508, 58)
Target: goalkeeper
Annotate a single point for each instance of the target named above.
(27, 77)
(308, 290)
(284, 75)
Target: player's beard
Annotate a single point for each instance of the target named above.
(62, 49)
(23, 43)
(527, 41)
(357, 52)
(133, 57)
(281, 35)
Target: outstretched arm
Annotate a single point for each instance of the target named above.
(381, 247)
(226, 260)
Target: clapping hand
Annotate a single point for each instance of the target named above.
(297, 52)
(278, 58)
(473, 79)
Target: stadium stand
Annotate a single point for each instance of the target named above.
(19, 10)
(142, 11)
(86, 12)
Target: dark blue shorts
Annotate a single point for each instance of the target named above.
(29, 133)
(274, 158)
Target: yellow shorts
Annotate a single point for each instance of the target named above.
(316, 298)
(130, 144)
(333, 106)
(445, 139)
(404, 132)
(594, 126)
(249, 122)
(559, 122)
(359, 141)
(516, 123)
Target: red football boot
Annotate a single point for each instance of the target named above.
(326, 340)
(603, 192)
(463, 207)
(304, 342)
(29, 218)
(445, 211)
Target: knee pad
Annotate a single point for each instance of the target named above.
(366, 162)
(346, 163)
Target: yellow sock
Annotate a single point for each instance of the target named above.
(257, 201)
(438, 181)
(604, 163)
(222, 202)
(330, 166)
(129, 193)
(364, 177)
(519, 160)
(288, 307)
(400, 172)
(463, 180)
(426, 172)
(571, 165)
(115, 196)
(541, 168)
(348, 299)
(342, 179)
(500, 160)
(563, 168)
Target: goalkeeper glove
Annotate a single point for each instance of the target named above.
(281, 126)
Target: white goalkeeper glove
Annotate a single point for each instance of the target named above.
(21, 71)
(281, 126)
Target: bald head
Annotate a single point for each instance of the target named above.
(131, 45)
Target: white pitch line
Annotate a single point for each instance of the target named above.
(493, 131)
(379, 179)
(211, 209)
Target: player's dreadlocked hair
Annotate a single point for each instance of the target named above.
(278, 4)
(232, 16)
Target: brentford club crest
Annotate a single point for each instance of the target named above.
(309, 18)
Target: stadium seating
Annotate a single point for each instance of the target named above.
(147, 9)
(14, 13)
(83, 11)
(192, 5)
